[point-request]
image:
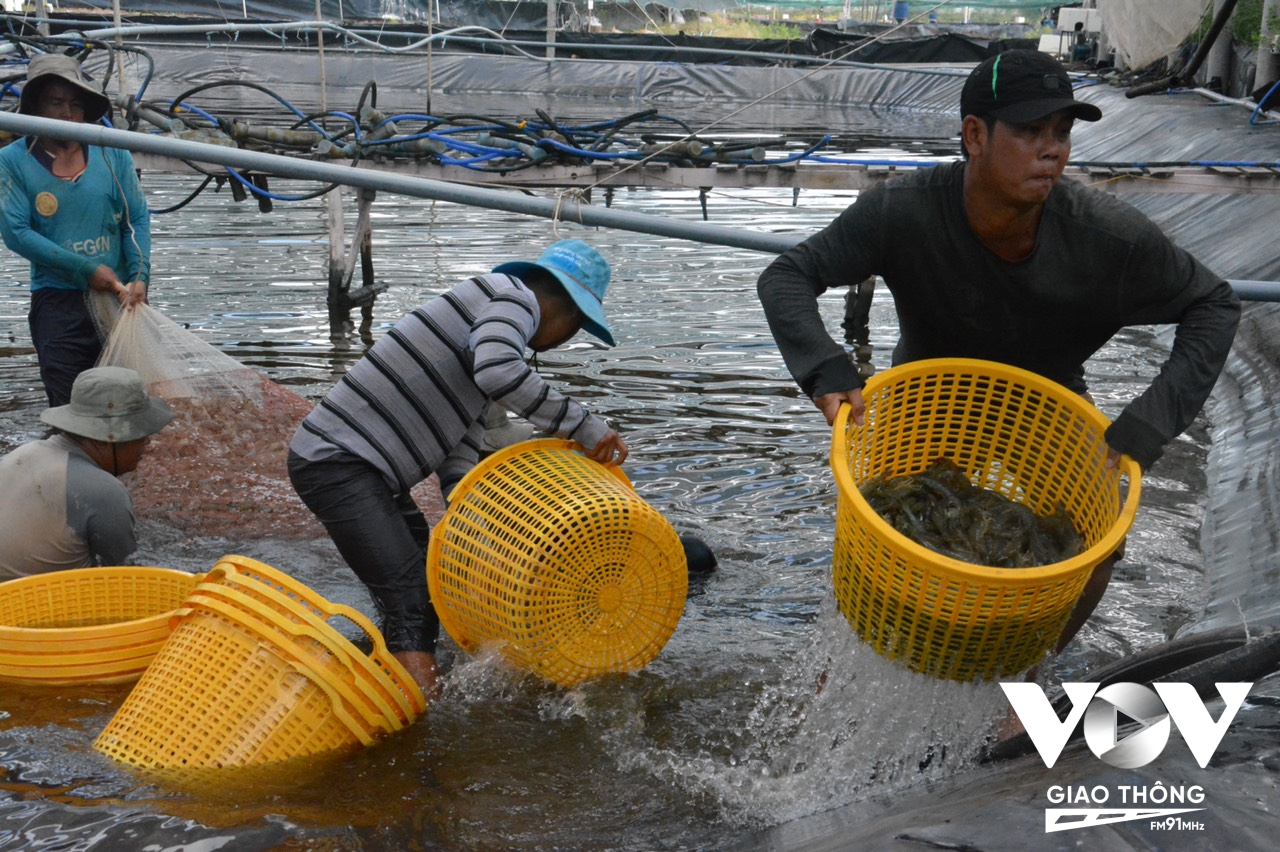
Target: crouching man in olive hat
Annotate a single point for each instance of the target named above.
(61, 502)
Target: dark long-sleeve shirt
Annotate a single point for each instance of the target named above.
(1099, 265)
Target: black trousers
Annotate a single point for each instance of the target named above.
(65, 339)
(381, 535)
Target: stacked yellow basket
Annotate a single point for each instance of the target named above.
(253, 673)
(88, 625)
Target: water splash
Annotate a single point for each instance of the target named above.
(838, 725)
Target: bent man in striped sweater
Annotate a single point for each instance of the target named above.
(414, 405)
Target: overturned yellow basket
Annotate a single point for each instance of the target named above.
(254, 674)
(1013, 432)
(556, 559)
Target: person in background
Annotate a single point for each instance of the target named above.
(77, 213)
(62, 503)
(1022, 267)
(1082, 50)
(415, 405)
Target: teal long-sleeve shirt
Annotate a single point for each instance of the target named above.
(66, 228)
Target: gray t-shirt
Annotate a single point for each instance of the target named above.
(1098, 266)
(59, 510)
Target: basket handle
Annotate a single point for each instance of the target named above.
(233, 611)
(1129, 509)
(335, 702)
(380, 655)
(288, 625)
(376, 639)
(399, 685)
(362, 621)
(842, 417)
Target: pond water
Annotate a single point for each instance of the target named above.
(728, 731)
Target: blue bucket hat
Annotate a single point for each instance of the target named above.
(582, 272)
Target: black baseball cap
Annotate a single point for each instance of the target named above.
(1020, 86)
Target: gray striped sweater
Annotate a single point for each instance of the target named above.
(413, 404)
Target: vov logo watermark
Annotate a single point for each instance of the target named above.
(1103, 710)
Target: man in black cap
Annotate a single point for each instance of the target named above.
(62, 503)
(999, 257)
(77, 213)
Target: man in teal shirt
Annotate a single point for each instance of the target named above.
(77, 213)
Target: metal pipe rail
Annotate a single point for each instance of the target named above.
(564, 209)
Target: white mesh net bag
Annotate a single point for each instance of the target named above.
(219, 467)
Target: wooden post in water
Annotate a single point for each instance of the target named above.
(121, 85)
(339, 313)
(341, 298)
(1218, 61)
(42, 12)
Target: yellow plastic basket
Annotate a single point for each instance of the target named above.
(252, 651)
(558, 560)
(87, 625)
(1013, 432)
(300, 610)
(314, 651)
(218, 696)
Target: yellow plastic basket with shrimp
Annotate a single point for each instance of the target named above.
(1013, 432)
(555, 559)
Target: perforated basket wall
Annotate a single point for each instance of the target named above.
(88, 625)
(558, 559)
(1013, 432)
(217, 695)
(254, 674)
(301, 616)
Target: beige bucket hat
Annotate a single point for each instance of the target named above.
(110, 404)
(46, 66)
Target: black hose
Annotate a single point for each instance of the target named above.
(613, 128)
(457, 119)
(180, 99)
(550, 122)
(370, 91)
(184, 202)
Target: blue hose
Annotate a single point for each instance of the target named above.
(1262, 100)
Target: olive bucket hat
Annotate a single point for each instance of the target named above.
(582, 272)
(110, 404)
(46, 67)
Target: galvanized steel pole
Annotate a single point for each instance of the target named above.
(566, 209)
